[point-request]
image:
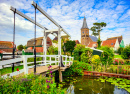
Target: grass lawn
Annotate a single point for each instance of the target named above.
(118, 56)
(9, 69)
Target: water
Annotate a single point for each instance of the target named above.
(87, 85)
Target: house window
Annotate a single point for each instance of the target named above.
(83, 32)
(111, 43)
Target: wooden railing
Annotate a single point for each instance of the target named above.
(48, 60)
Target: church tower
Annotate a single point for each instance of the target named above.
(85, 33)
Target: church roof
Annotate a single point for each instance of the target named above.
(94, 39)
(84, 23)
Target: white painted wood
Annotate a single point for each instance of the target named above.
(10, 61)
(13, 74)
(25, 64)
(26, 17)
(45, 39)
(50, 18)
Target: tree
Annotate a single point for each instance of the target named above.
(69, 45)
(126, 52)
(52, 50)
(20, 47)
(96, 29)
(79, 47)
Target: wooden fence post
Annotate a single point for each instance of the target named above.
(25, 64)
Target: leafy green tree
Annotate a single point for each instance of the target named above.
(107, 55)
(126, 52)
(52, 50)
(24, 46)
(96, 29)
(20, 47)
(69, 45)
(119, 51)
(86, 55)
(79, 47)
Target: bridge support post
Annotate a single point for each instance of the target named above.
(44, 38)
(60, 75)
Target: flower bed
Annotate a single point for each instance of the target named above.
(34, 84)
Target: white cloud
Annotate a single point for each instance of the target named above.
(68, 15)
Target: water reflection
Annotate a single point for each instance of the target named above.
(87, 85)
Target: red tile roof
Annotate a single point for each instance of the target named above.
(6, 44)
(77, 42)
(92, 44)
(110, 43)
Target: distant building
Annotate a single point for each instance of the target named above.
(120, 40)
(85, 37)
(39, 44)
(77, 42)
(113, 43)
(93, 45)
(6, 47)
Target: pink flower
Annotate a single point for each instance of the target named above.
(47, 86)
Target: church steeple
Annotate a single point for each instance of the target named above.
(84, 24)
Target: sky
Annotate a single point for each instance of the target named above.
(69, 14)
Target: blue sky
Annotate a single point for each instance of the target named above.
(68, 13)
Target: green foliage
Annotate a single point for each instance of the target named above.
(78, 51)
(96, 59)
(78, 67)
(126, 52)
(86, 55)
(79, 47)
(52, 50)
(119, 82)
(69, 45)
(99, 43)
(119, 51)
(107, 56)
(32, 84)
(20, 47)
(96, 29)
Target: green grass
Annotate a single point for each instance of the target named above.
(118, 56)
(9, 69)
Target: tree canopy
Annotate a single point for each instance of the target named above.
(97, 28)
(20, 47)
(69, 45)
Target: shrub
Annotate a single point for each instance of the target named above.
(86, 55)
(52, 50)
(126, 52)
(120, 50)
(78, 51)
(107, 55)
(78, 67)
(95, 59)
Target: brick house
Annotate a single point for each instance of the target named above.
(6, 47)
(39, 44)
(85, 37)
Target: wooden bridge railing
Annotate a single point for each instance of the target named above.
(50, 59)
